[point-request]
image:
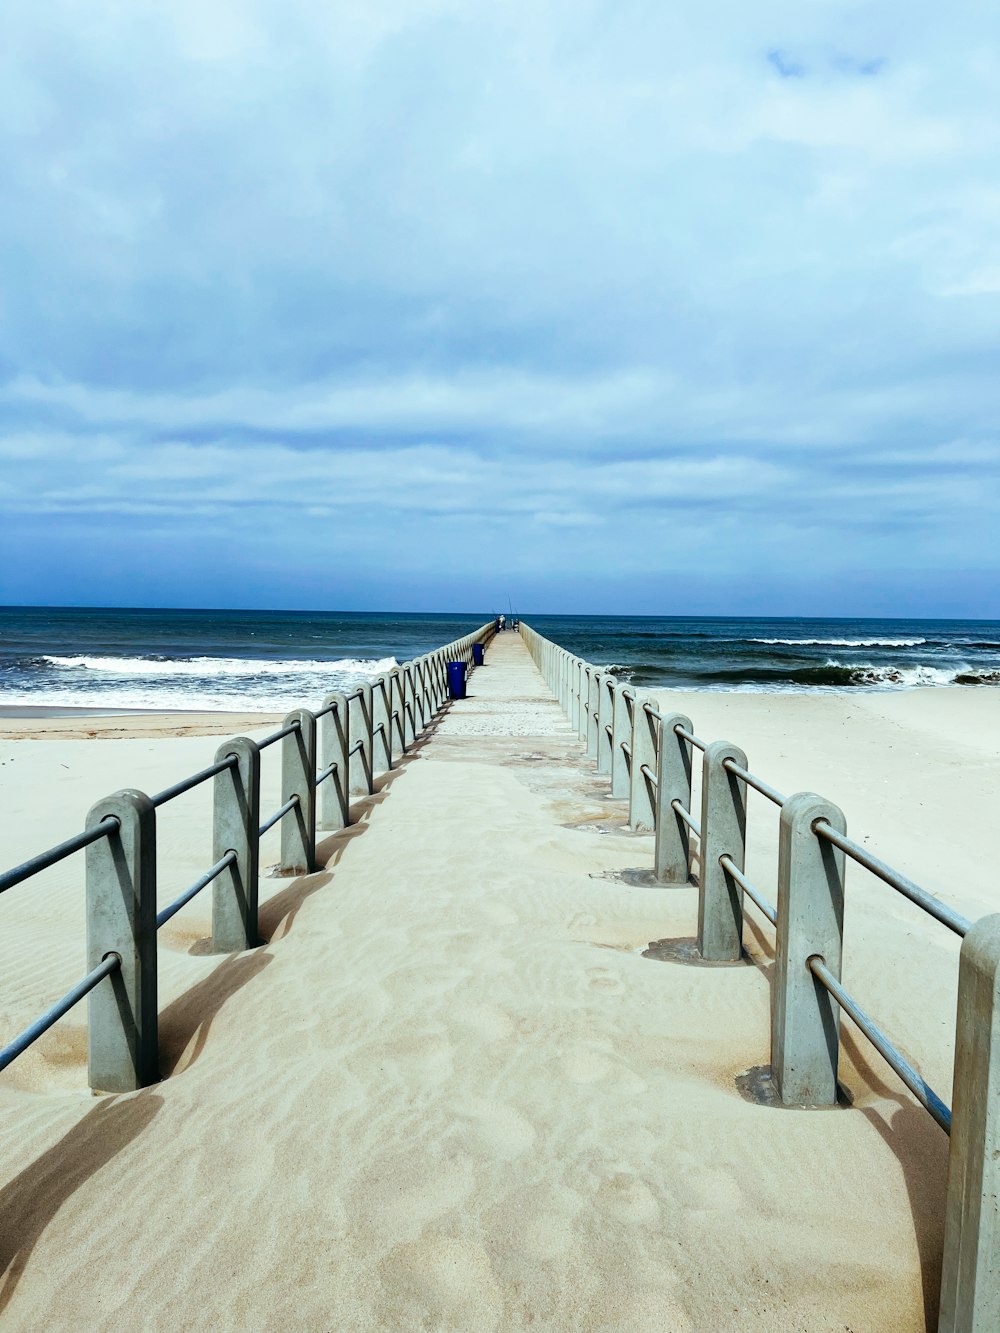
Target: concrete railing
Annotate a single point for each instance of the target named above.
(358, 736)
(648, 755)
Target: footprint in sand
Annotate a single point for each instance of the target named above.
(495, 1129)
(439, 1282)
(602, 979)
(628, 1199)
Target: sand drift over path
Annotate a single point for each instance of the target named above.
(450, 1092)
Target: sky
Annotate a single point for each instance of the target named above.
(599, 305)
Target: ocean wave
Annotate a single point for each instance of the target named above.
(211, 667)
(845, 643)
(830, 675)
(204, 684)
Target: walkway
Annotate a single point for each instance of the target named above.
(451, 1094)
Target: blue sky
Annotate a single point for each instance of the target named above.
(607, 306)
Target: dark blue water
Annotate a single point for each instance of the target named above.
(784, 654)
(274, 660)
(260, 661)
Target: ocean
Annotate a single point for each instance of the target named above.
(68, 658)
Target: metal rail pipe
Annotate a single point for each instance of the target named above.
(58, 853)
(689, 736)
(932, 906)
(772, 793)
(222, 864)
(61, 1007)
(751, 890)
(289, 805)
(688, 818)
(278, 735)
(328, 772)
(920, 1088)
(186, 784)
(648, 774)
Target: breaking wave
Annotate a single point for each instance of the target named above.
(845, 643)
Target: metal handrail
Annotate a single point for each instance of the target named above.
(772, 793)
(290, 804)
(686, 735)
(108, 964)
(652, 712)
(687, 816)
(920, 1088)
(358, 745)
(58, 853)
(941, 911)
(755, 895)
(279, 735)
(607, 728)
(648, 774)
(626, 747)
(186, 784)
(327, 773)
(331, 707)
(164, 916)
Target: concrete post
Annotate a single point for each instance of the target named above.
(235, 821)
(574, 693)
(584, 726)
(409, 692)
(381, 723)
(605, 722)
(672, 854)
(298, 778)
(593, 711)
(417, 704)
(723, 833)
(805, 1018)
(397, 727)
(641, 807)
(122, 1046)
(334, 807)
(970, 1277)
(359, 731)
(621, 730)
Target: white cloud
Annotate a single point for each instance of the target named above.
(557, 258)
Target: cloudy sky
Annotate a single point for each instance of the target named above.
(600, 304)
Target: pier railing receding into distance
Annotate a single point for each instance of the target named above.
(360, 733)
(647, 754)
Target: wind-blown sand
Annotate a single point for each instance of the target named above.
(450, 1093)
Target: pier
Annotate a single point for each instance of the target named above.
(494, 1064)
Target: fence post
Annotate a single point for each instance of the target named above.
(574, 693)
(805, 1018)
(235, 820)
(593, 709)
(122, 1041)
(409, 692)
(641, 808)
(970, 1277)
(334, 807)
(723, 833)
(298, 778)
(672, 853)
(381, 722)
(621, 730)
(359, 729)
(584, 720)
(605, 723)
(397, 709)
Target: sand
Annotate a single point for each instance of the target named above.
(450, 1092)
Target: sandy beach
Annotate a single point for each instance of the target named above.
(451, 1092)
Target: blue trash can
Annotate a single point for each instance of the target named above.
(456, 680)
(477, 654)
